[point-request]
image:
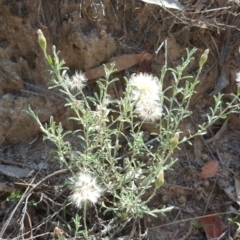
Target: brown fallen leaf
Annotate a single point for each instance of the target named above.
(209, 170)
(121, 63)
(4, 187)
(144, 62)
(212, 226)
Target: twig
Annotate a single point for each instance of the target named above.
(191, 219)
(209, 198)
(28, 191)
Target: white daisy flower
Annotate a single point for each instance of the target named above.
(145, 96)
(238, 79)
(77, 81)
(85, 188)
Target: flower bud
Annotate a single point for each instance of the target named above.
(160, 179)
(174, 141)
(42, 40)
(203, 58)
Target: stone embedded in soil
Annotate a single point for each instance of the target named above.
(23, 68)
(17, 126)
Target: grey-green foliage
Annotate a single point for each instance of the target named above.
(111, 139)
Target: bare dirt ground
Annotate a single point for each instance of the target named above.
(89, 33)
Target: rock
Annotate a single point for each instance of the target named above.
(23, 76)
(17, 126)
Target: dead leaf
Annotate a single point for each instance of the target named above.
(121, 63)
(4, 187)
(209, 170)
(144, 62)
(166, 3)
(211, 225)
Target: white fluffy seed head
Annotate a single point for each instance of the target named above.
(85, 188)
(149, 110)
(145, 96)
(77, 81)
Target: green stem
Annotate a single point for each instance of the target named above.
(84, 218)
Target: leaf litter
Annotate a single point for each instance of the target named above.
(209, 170)
(212, 225)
